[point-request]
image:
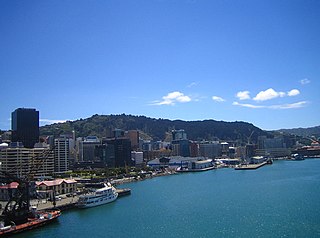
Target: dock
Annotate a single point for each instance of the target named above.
(70, 202)
(250, 166)
(123, 192)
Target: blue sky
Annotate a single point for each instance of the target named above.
(253, 61)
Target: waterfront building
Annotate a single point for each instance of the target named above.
(8, 190)
(200, 164)
(25, 126)
(274, 147)
(273, 152)
(20, 161)
(48, 189)
(172, 162)
(228, 161)
(211, 149)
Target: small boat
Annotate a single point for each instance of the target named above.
(97, 197)
(40, 218)
(297, 157)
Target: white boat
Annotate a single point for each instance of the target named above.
(100, 196)
(297, 157)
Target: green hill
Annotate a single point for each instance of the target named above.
(156, 128)
(304, 132)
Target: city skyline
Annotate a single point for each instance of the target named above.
(249, 61)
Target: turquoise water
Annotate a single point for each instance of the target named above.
(281, 200)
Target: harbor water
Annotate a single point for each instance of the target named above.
(280, 200)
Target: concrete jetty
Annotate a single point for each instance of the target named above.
(69, 202)
(250, 166)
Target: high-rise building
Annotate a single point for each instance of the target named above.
(133, 136)
(179, 135)
(210, 149)
(194, 149)
(122, 151)
(61, 154)
(181, 148)
(20, 161)
(87, 147)
(25, 126)
(105, 154)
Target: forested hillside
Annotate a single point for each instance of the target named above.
(196, 130)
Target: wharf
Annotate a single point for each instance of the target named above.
(69, 202)
(123, 191)
(250, 166)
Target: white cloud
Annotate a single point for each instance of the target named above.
(268, 94)
(218, 99)
(247, 105)
(50, 121)
(290, 105)
(172, 98)
(293, 92)
(243, 95)
(280, 106)
(305, 81)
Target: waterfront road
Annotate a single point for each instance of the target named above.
(42, 204)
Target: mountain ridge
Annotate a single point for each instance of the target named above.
(208, 129)
(304, 132)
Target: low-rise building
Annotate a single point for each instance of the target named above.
(173, 161)
(48, 189)
(200, 164)
(8, 190)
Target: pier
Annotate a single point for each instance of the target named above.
(65, 203)
(250, 166)
(123, 192)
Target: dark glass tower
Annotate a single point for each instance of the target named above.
(25, 126)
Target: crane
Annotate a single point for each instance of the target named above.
(17, 209)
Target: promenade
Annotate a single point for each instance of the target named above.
(63, 204)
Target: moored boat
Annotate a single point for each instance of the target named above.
(97, 197)
(297, 157)
(40, 218)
